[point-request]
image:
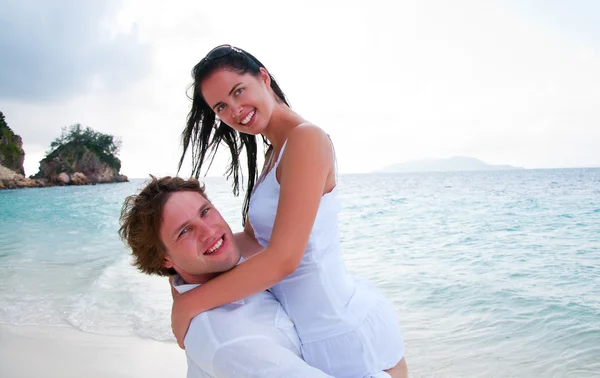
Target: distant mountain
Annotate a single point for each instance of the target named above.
(456, 163)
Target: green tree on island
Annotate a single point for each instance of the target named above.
(105, 146)
(3, 122)
(11, 150)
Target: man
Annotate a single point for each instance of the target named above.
(173, 229)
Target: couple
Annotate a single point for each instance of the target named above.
(229, 323)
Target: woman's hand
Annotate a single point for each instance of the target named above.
(180, 321)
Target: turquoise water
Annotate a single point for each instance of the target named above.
(493, 274)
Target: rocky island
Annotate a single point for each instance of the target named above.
(80, 156)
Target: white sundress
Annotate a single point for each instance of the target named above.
(346, 327)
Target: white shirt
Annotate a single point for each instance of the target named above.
(253, 337)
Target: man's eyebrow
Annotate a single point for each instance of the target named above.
(229, 94)
(176, 232)
(178, 229)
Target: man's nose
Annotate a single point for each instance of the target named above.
(204, 230)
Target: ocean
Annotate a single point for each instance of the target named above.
(492, 274)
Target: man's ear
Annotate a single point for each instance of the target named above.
(167, 262)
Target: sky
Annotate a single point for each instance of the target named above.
(509, 82)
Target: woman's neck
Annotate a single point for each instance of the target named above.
(283, 120)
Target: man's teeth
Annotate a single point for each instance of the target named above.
(215, 247)
(248, 117)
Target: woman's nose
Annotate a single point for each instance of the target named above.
(236, 111)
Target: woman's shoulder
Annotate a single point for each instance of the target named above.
(308, 147)
(308, 128)
(306, 133)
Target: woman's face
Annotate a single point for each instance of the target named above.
(244, 102)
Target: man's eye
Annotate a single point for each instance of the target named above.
(183, 231)
(203, 213)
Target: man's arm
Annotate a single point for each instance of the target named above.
(260, 356)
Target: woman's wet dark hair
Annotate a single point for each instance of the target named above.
(204, 132)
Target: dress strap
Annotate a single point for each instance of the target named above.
(280, 154)
(263, 174)
(335, 168)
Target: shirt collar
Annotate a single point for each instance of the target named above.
(181, 287)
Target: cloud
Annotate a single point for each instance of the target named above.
(389, 81)
(485, 80)
(53, 50)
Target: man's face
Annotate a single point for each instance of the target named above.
(199, 242)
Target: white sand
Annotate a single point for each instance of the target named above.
(64, 352)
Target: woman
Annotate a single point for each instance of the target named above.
(346, 327)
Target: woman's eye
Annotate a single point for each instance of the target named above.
(239, 91)
(220, 108)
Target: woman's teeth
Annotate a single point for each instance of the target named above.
(248, 117)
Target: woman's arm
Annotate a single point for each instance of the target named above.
(303, 180)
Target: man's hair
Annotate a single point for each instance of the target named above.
(141, 218)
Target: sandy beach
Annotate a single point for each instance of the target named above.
(64, 352)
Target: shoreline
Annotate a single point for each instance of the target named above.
(10, 179)
(62, 351)
(43, 183)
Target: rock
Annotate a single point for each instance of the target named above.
(9, 184)
(63, 178)
(11, 180)
(28, 183)
(72, 159)
(121, 178)
(6, 173)
(79, 178)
